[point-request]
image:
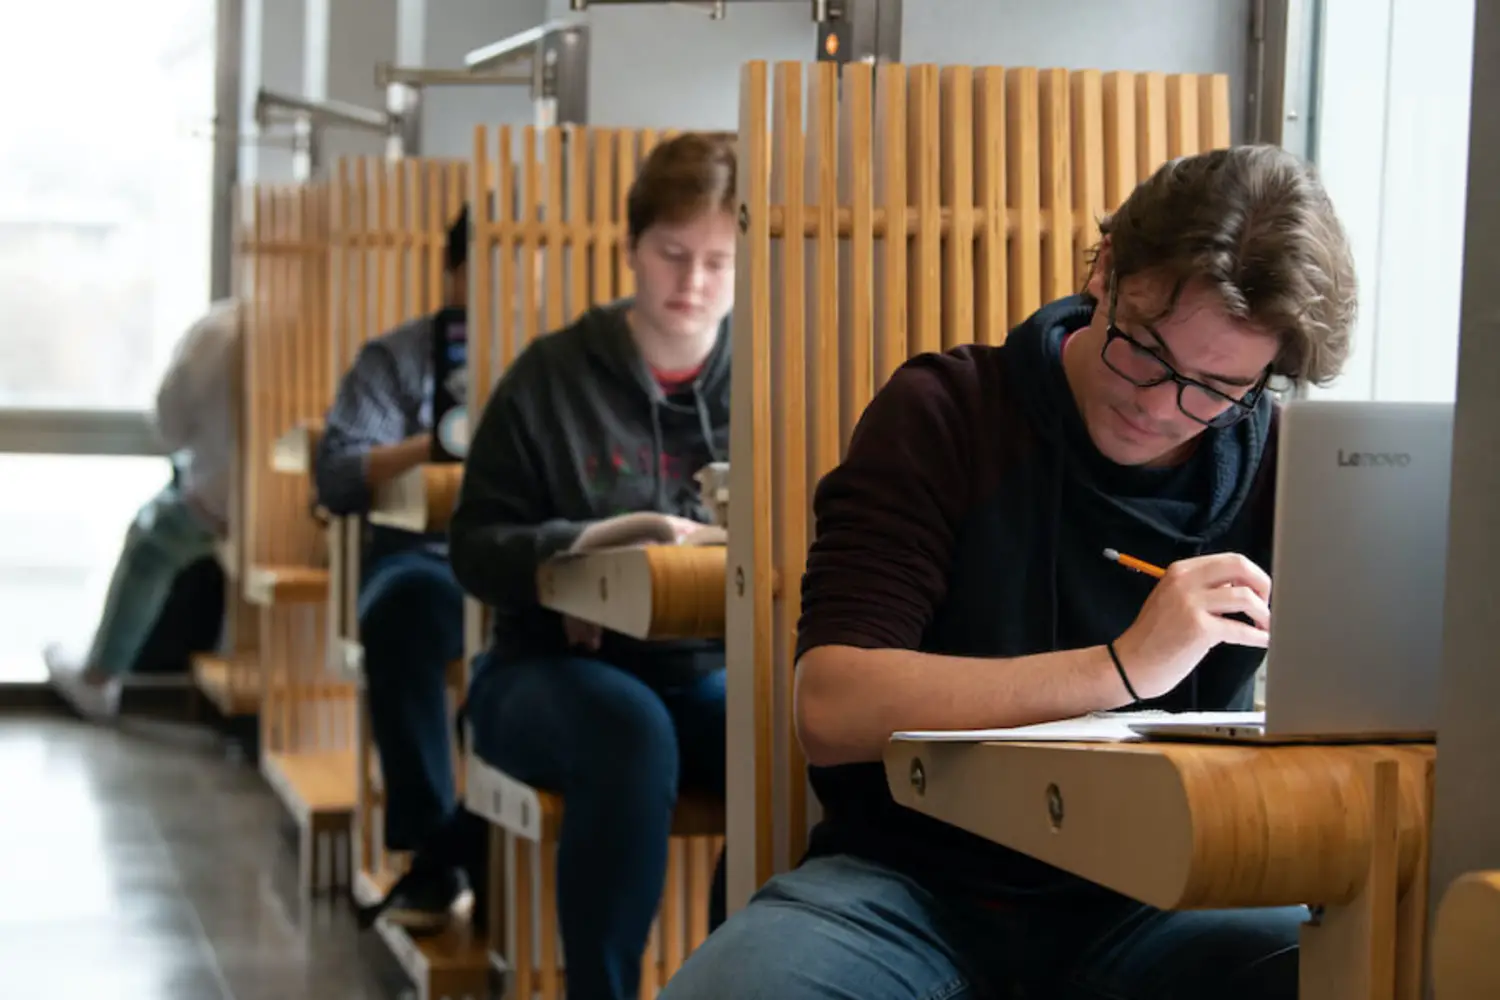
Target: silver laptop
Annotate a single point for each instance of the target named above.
(1358, 569)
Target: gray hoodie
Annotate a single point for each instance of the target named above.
(576, 431)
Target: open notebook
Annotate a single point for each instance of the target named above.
(1098, 727)
(645, 528)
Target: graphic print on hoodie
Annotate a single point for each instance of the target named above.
(969, 518)
(579, 430)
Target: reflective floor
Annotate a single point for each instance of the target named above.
(150, 862)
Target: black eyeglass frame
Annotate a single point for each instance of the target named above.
(1237, 409)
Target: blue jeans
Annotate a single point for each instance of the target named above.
(841, 927)
(165, 538)
(615, 745)
(411, 625)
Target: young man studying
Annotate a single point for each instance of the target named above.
(957, 581)
(410, 606)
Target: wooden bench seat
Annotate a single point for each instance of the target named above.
(271, 585)
(645, 591)
(317, 788)
(231, 684)
(524, 934)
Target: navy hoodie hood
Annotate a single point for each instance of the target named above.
(1091, 503)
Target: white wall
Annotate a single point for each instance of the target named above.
(271, 56)
(1392, 144)
(1174, 36)
(693, 80)
(436, 34)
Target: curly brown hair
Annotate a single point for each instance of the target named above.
(1255, 224)
(681, 178)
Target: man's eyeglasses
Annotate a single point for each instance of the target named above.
(1141, 366)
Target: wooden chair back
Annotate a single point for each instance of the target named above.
(887, 212)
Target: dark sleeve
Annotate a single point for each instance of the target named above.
(885, 518)
(503, 527)
(368, 411)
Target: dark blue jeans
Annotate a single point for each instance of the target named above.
(615, 746)
(411, 624)
(841, 927)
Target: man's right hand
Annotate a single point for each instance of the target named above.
(1184, 618)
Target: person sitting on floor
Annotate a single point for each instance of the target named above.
(165, 599)
(957, 581)
(409, 608)
(608, 417)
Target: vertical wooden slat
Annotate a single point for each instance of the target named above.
(411, 239)
(440, 214)
(1120, 157)
(1056, 186)
(958, 197)
(481, 278)
(578, 224)
(1151, 123)
(506, 217)
(671, 908)
(751, 552)
(824, 444)
(992, 301)
(790, 424)
(627, 161)
(699, 879)
(1213, 111)
(923, 159)
(1088, 166)
(856, 178)
(554, 253)
(606, 227)
(1182, 115)
(1023, 187)
(530, 220)
(547, 926)
(890, 131)
(523, 957)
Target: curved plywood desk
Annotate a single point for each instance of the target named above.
(1198, 826)
(645, 591)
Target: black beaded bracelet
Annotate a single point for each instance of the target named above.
(1120, 668)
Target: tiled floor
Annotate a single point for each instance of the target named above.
(148, 863)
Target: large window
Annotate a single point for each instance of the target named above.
(105, 180)
(61, 526)
(105, 190)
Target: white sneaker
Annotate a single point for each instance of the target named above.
(94, 696)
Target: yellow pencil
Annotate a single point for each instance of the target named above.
(1131, 562)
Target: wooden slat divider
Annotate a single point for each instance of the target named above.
(966, 198)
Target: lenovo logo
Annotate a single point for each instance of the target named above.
(1392, 459)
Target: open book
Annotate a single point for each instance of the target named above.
(1097, 727)
(643, 528)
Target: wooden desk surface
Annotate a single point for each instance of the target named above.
(647, 591)
(293, 451)
(1176, 825)
(421, 499)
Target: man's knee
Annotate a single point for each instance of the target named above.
(579, 722)
(411, 597)
(832, 928)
